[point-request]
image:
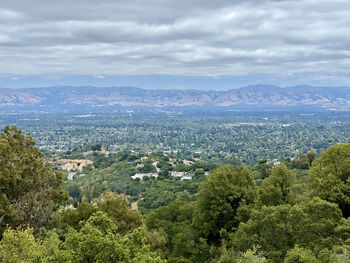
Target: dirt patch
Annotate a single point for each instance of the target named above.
(74, 164)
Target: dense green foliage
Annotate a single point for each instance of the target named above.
(277, 188)
(29, 191)
(330, 175)
(283, 221)
(268, 213)
(219, 199)
(98, 240)
(114, 205)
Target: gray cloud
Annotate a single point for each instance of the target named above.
(183, 37)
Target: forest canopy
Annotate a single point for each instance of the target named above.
(285, 214)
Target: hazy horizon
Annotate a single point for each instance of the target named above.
(180, 88)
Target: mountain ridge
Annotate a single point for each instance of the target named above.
(90, 96)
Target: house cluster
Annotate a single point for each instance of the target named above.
(141, 175)
(181, 175)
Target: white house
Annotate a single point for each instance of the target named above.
(177, 174)
(141, 175)
(187, 177)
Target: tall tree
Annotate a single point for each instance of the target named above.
(219, 198)
(30, 191)
(330, 176)
(116, 206)
(313, 224)
(277, 188)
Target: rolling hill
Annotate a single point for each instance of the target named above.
(68, 97)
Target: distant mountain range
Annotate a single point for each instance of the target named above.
(257, 95)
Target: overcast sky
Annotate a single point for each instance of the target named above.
(174, 43)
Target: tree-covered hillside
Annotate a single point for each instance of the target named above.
(289, 211)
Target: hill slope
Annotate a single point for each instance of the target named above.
(263, 95)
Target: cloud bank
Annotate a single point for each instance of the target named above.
(183, 37)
